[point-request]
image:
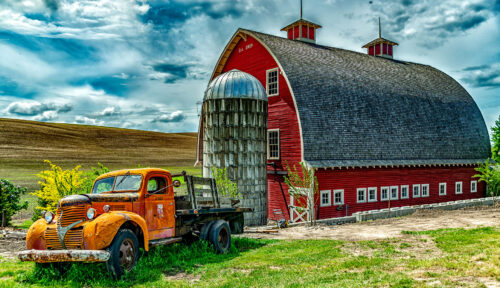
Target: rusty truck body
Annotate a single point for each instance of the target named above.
(128, 210)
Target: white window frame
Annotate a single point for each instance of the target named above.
(443, 184)
(388, 193)
(277, 81)
(407, 191)
(413, 191)
(397, 192)
(475, 186)
(422, 190)
(459, 184)
(368, 194)
(363, 190)
(269, 145)
(342, 196)
(329, 194)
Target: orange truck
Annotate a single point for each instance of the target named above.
(128, 210)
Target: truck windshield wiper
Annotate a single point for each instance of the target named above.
(124, 177)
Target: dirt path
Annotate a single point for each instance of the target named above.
(390, 228)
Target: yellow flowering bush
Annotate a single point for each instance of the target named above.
(57, 183)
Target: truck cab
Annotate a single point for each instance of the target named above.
(128, 210)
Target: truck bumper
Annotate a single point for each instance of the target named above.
(48, 256)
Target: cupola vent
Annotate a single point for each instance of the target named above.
(302, 30)
(380, 47)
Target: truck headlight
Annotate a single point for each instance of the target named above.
(91, 213)
(49, 216)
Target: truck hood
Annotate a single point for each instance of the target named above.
(90, 198)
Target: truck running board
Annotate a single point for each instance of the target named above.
(165, 241)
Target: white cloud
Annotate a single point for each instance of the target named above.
(31, 108)
(46, 116)
(88, 121)
(176, 116)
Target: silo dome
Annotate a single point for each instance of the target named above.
(235, 84)
(233, 128)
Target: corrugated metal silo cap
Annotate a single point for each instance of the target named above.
(235, 84)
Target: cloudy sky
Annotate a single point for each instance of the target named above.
(145, 64)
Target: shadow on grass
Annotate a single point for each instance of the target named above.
(168, 260)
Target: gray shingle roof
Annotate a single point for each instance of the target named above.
(357, 109)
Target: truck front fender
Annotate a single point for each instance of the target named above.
(99, 233)
(35, 237)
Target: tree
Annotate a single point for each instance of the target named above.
(303, 188)
(495, 138)
(10, 197)
(491, 176)
(225, 186)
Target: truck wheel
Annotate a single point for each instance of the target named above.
(220, 236)
(205, 230)
(124, 253)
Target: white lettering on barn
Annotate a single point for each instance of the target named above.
(247, 47)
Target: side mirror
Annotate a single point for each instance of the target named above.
(177, 183)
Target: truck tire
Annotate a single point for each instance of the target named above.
(205, 230)
(124, 253)
(220, 236)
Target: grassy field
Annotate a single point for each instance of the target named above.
(24, 145)
(444, 258)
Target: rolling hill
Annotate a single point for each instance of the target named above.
(24, 145)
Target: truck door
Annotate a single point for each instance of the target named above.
(160, 207)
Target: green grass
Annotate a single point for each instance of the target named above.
(447, 258)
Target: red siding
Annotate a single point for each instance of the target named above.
(251, 57)
(385, 48)
(371, 50)
(304, 31)
(390, 50)
(377, 49)
(351, 179)
(311, 33)
(296, 31)
(290, 34)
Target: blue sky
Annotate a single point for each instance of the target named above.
(145, 64)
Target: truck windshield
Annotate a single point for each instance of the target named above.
(103, 185)
(128, 183)
(123, 183)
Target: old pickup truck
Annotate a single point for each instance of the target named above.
(128, 210)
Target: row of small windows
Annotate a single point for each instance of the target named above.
(369, 194)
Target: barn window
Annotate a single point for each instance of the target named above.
(416, 190)
(325, 198)
(458, 187)
(404, 192)
(394, 192)
(361, 195)
(473, 186)
(377, 49)
(425, 190)
(442, 189)
(273, 144)
(372, 194)
(272, 82)
(385, 48)
(384, 193)
(338, 197)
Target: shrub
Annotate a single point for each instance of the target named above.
(57, 183)
(9, 200)
(224, 185)
(490, 174)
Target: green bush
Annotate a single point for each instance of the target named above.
(490, 174)
(9, 200)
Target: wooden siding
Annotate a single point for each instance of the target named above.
(351, 179)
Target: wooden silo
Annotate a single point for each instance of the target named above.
(234, 130)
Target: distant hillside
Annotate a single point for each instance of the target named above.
(25, 144)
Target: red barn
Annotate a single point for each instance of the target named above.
(379, 132)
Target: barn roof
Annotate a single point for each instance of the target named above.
(361, 110)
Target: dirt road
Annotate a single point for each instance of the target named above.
(390, 228)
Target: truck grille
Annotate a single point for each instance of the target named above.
(71, 214)
(74, 237)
